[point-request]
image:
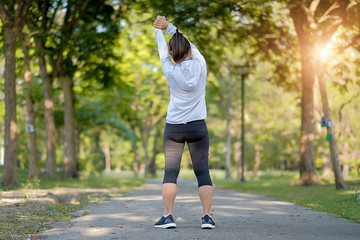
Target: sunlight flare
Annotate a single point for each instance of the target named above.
(326, 50)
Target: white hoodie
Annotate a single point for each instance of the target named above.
(187, 81)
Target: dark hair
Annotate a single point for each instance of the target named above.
(179, 46)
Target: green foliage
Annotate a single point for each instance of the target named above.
(261, 33)
(93, 44)
(274, 129)
(121, 94)
(263, 29)
(230, 34)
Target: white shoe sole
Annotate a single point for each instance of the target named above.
(169, 225)
(207, 226)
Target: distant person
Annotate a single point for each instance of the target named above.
(185, 119)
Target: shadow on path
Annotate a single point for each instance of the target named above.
(237, 216)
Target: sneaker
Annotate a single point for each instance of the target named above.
(207, 222)
(166, 222)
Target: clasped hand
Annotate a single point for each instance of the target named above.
(161, 23)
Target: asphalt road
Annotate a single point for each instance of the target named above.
(237, 216)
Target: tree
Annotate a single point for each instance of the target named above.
(74, 13)
(307, 155)
(12, 16)
(157, 148)
(45, 18)
(93, 57)
(316, 23)
(70, 49)
(42, 28)
(29, 108)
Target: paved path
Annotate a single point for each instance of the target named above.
(237, 216)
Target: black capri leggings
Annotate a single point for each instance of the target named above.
(197, 137)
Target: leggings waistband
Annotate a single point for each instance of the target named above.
(191, 122)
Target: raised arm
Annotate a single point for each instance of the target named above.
(162, 46)
(165, 57)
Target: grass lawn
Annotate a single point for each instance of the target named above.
(343, 203)
(24, 219)
(125, 181)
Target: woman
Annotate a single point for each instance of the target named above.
(185, 119)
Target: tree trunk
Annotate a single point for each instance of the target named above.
(2, 149)
(81, 149)
(98, 151)
(136, 163)
(118, 167)
(326, 164)
(146, 156)
(317, 108)
(344, 160)
(228, 150)
(345, 172)
(152, 164)
(308, 174)
(334, 152)
(344, 129)
(12, 23)
(70, 161)
(107, 154)
(145, 144)
(10, 166)
(30, 113)
(257, 161)
(50, 164)
(136, 153)
(228, 136)
(237, 157)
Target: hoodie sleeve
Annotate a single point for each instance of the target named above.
(165, 58)
(195, 53)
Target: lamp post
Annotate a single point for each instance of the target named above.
(243, 69)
